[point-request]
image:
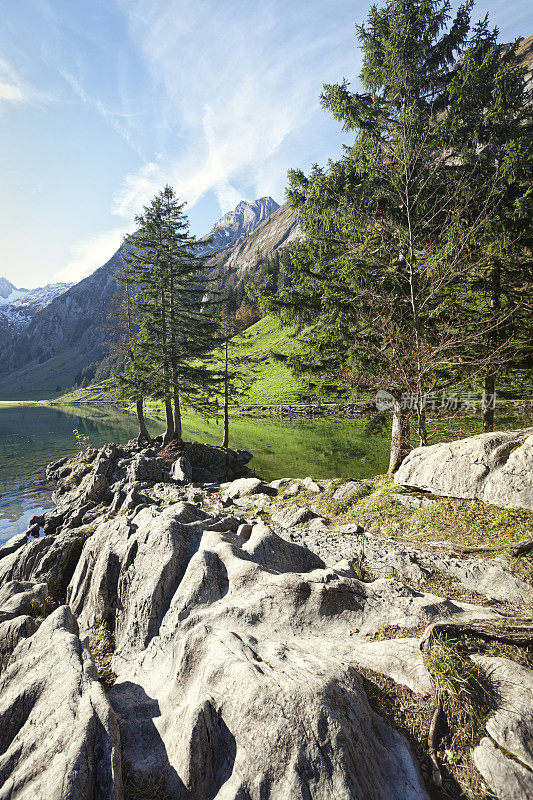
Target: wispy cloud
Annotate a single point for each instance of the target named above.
(233, 89)
(88, 255)
(116, 119)
(14, 89)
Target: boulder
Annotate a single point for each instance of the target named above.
(243, 487)
(290, 516)
(494, 467)
(311, 485)
(293, 490)
(346, 489)
(210, 463)
(59, 738)
(280, 483)
(318, 524)
(181, 470)
(144, 468)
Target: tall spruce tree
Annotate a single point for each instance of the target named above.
(176, 305)
(396, 230)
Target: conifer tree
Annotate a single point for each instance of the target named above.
(176, 304)
(396, 230)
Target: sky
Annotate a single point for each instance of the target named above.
(103, 102)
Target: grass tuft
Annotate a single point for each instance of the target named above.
(102, 647)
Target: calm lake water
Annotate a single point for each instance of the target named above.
(30, 437)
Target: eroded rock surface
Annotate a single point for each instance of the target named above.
(511, 723)
(238, 644)
(236, 673)
(58, 735)
(494, 467)
(384, 556)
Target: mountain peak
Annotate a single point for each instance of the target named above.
(6, 288)
(236, 224)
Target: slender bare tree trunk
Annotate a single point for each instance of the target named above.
(488, 404)
(225, 440)
(177, 410)
(490, 377)
(421, 430)
(401, 435)
(143, 430)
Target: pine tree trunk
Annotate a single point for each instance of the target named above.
(143, 430)
(177, 414)
(401, 435)
(488, 403)
(225, 440)
(169, 433)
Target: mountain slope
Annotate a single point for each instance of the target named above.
(272, 383)
(66, 336)
(60, 339)
(7, 291)
(277, 231)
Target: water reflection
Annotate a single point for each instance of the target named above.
(283, 446)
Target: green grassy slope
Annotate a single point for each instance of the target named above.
(273, 382)
(43, 381)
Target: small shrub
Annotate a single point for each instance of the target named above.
(44, 609)
(82, 440)
(102, 647)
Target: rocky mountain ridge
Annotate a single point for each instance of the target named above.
(19, 306)
(236, 225)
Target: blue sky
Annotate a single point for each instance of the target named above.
(104, 101)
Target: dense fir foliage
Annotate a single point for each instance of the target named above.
(394, 280)
(175, 324)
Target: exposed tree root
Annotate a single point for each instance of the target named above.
(518, 634)
(433, 740)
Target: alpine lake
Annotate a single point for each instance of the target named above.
(283, 446)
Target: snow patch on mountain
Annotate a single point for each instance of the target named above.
(18, 306)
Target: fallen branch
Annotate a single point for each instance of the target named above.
(520, 635)
(519, 549)
(522, 547)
